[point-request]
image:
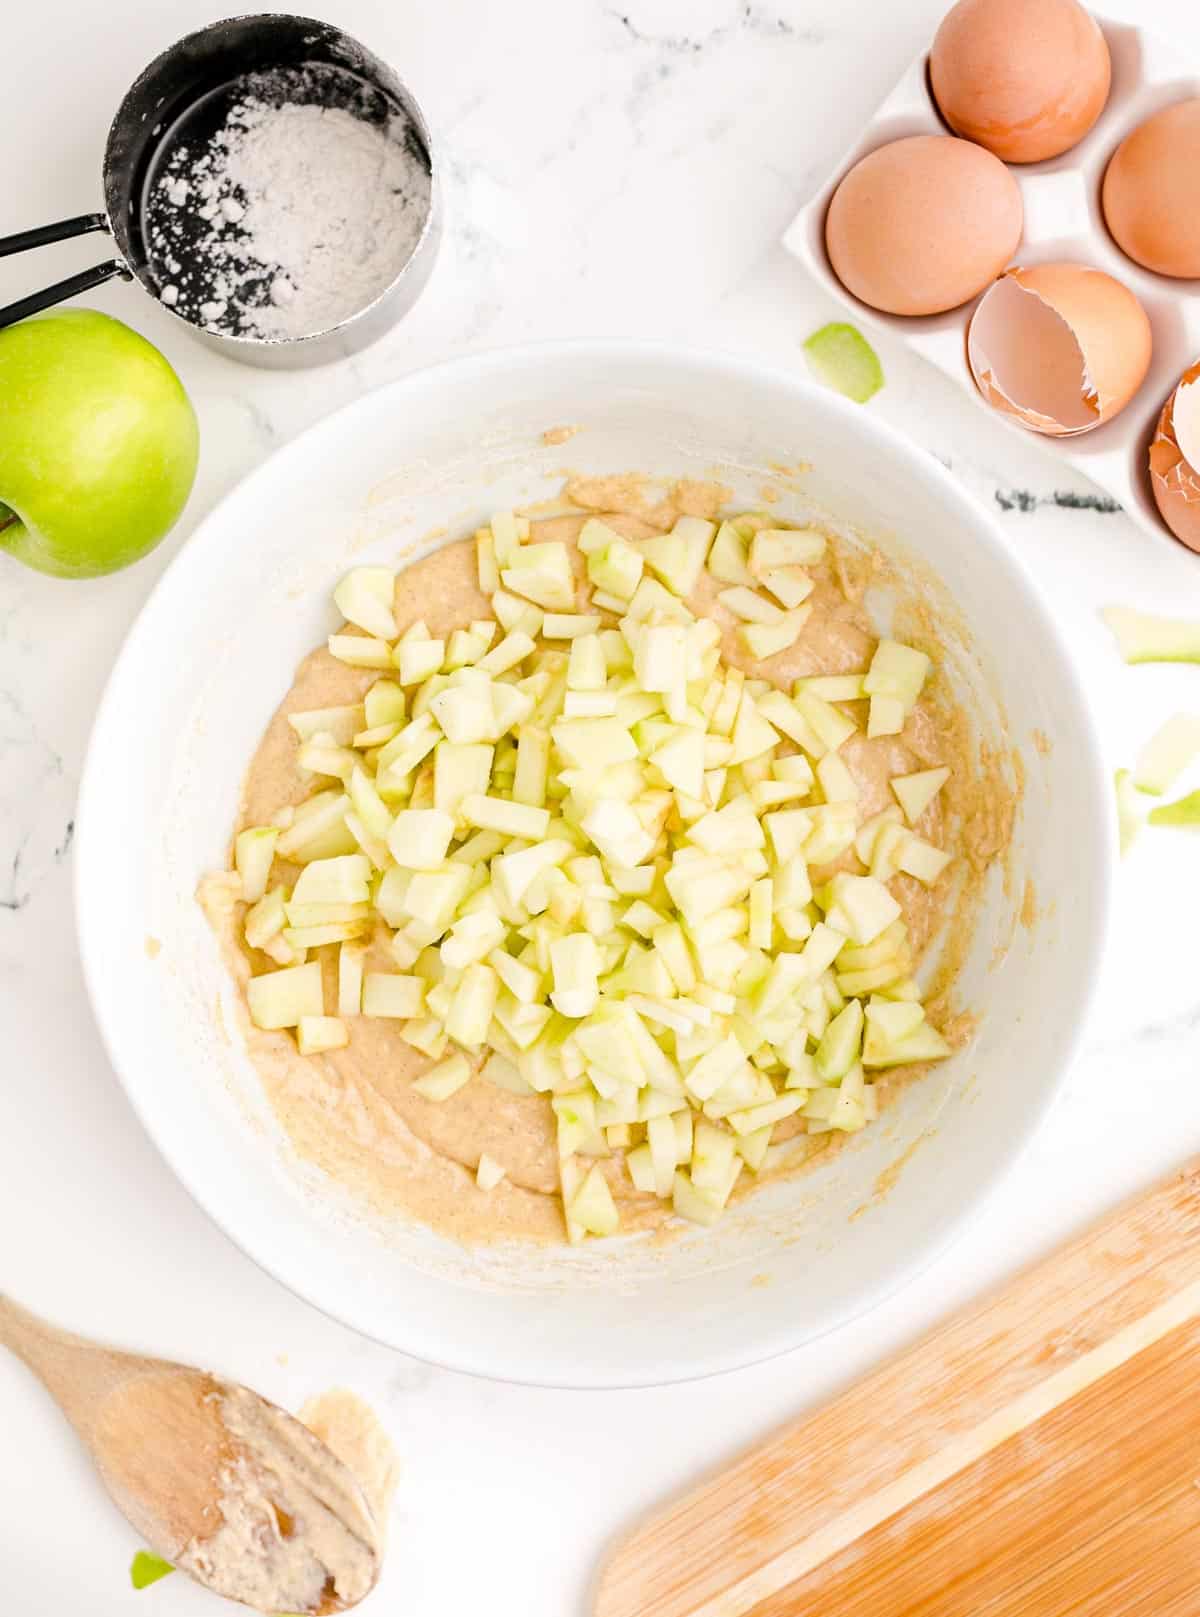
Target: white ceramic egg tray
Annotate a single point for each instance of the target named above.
(1063, 220)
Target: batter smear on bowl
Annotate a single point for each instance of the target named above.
(604, 864)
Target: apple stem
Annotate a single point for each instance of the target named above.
(7, 518)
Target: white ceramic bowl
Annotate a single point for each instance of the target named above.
(210, 657)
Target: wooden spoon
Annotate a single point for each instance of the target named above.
(224, 1485)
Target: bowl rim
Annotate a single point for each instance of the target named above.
(659, 1369)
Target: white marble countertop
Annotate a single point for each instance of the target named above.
(621, 168)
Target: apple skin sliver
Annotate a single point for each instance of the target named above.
(841, 357)
(1167, 754)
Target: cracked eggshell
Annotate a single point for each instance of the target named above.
(1151, 192)
(1060, 348)
(1175, 460)
(923, 224)
(1025, 78)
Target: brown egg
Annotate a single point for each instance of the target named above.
(1025, 78)
(1061, 348)
(923, 224)
(1151, 192)
(1175, 460)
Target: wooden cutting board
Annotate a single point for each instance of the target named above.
(1036, 1456)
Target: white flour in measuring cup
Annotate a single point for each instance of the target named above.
(291, 216)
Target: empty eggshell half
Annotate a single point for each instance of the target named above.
(1175, 460)
(1060, 348)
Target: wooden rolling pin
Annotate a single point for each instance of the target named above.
(1036, 1456)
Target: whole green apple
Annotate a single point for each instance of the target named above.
(98, 443)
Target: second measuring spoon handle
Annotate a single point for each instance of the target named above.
(72, 287)
(42, 235)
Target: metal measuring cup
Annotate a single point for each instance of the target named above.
(207, 61)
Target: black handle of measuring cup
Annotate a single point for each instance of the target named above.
(74, 285)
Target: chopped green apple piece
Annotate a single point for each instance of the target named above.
(616, 569)
(749, 605)
(753, 732)
(763, 640)
(321, 834)
(833, 687)
(831, 727)
(266, 919)
(533, 764)
(575, 965)
(280, 998)
(470, 1013)
(924, 1043)
(1185, 811)
(419, 838)
(350, 978)
(417, 660)
(677, 558)
(459, 771)
(861, 907)
(1167, 754)
(1130, 815)
(316, 1034)
(841, 1043)
(897, 671)
(542, 573)
(489, 1172)
(885, 717)
(253, 852)
(1144, 638)
(922, 860)
(511, 819)
(592, 1208)
(914, 793)
(789, 585)
(391, 994)
(360, 650)
(837, 783)
(785, 547)
(727, 556)
(568, 625)
(341, 724)
(146, 1569)
(365, 598)
(444, 1079)
(841, 357)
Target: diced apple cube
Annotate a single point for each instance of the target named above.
(509, 818)
(389, 994)
(360, 650)
(489, 1172)
(419, 838)
(365, 598)
(897, 671)
(785, 547)
(575, 964)
(416, 660)
(445, 1079)
(280, 998)
(915, 792)
(885, 717)
(922, 860)
(592, 1208)
(471, 1009)
(789, 585)
(253, 852)
(315, 1034)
